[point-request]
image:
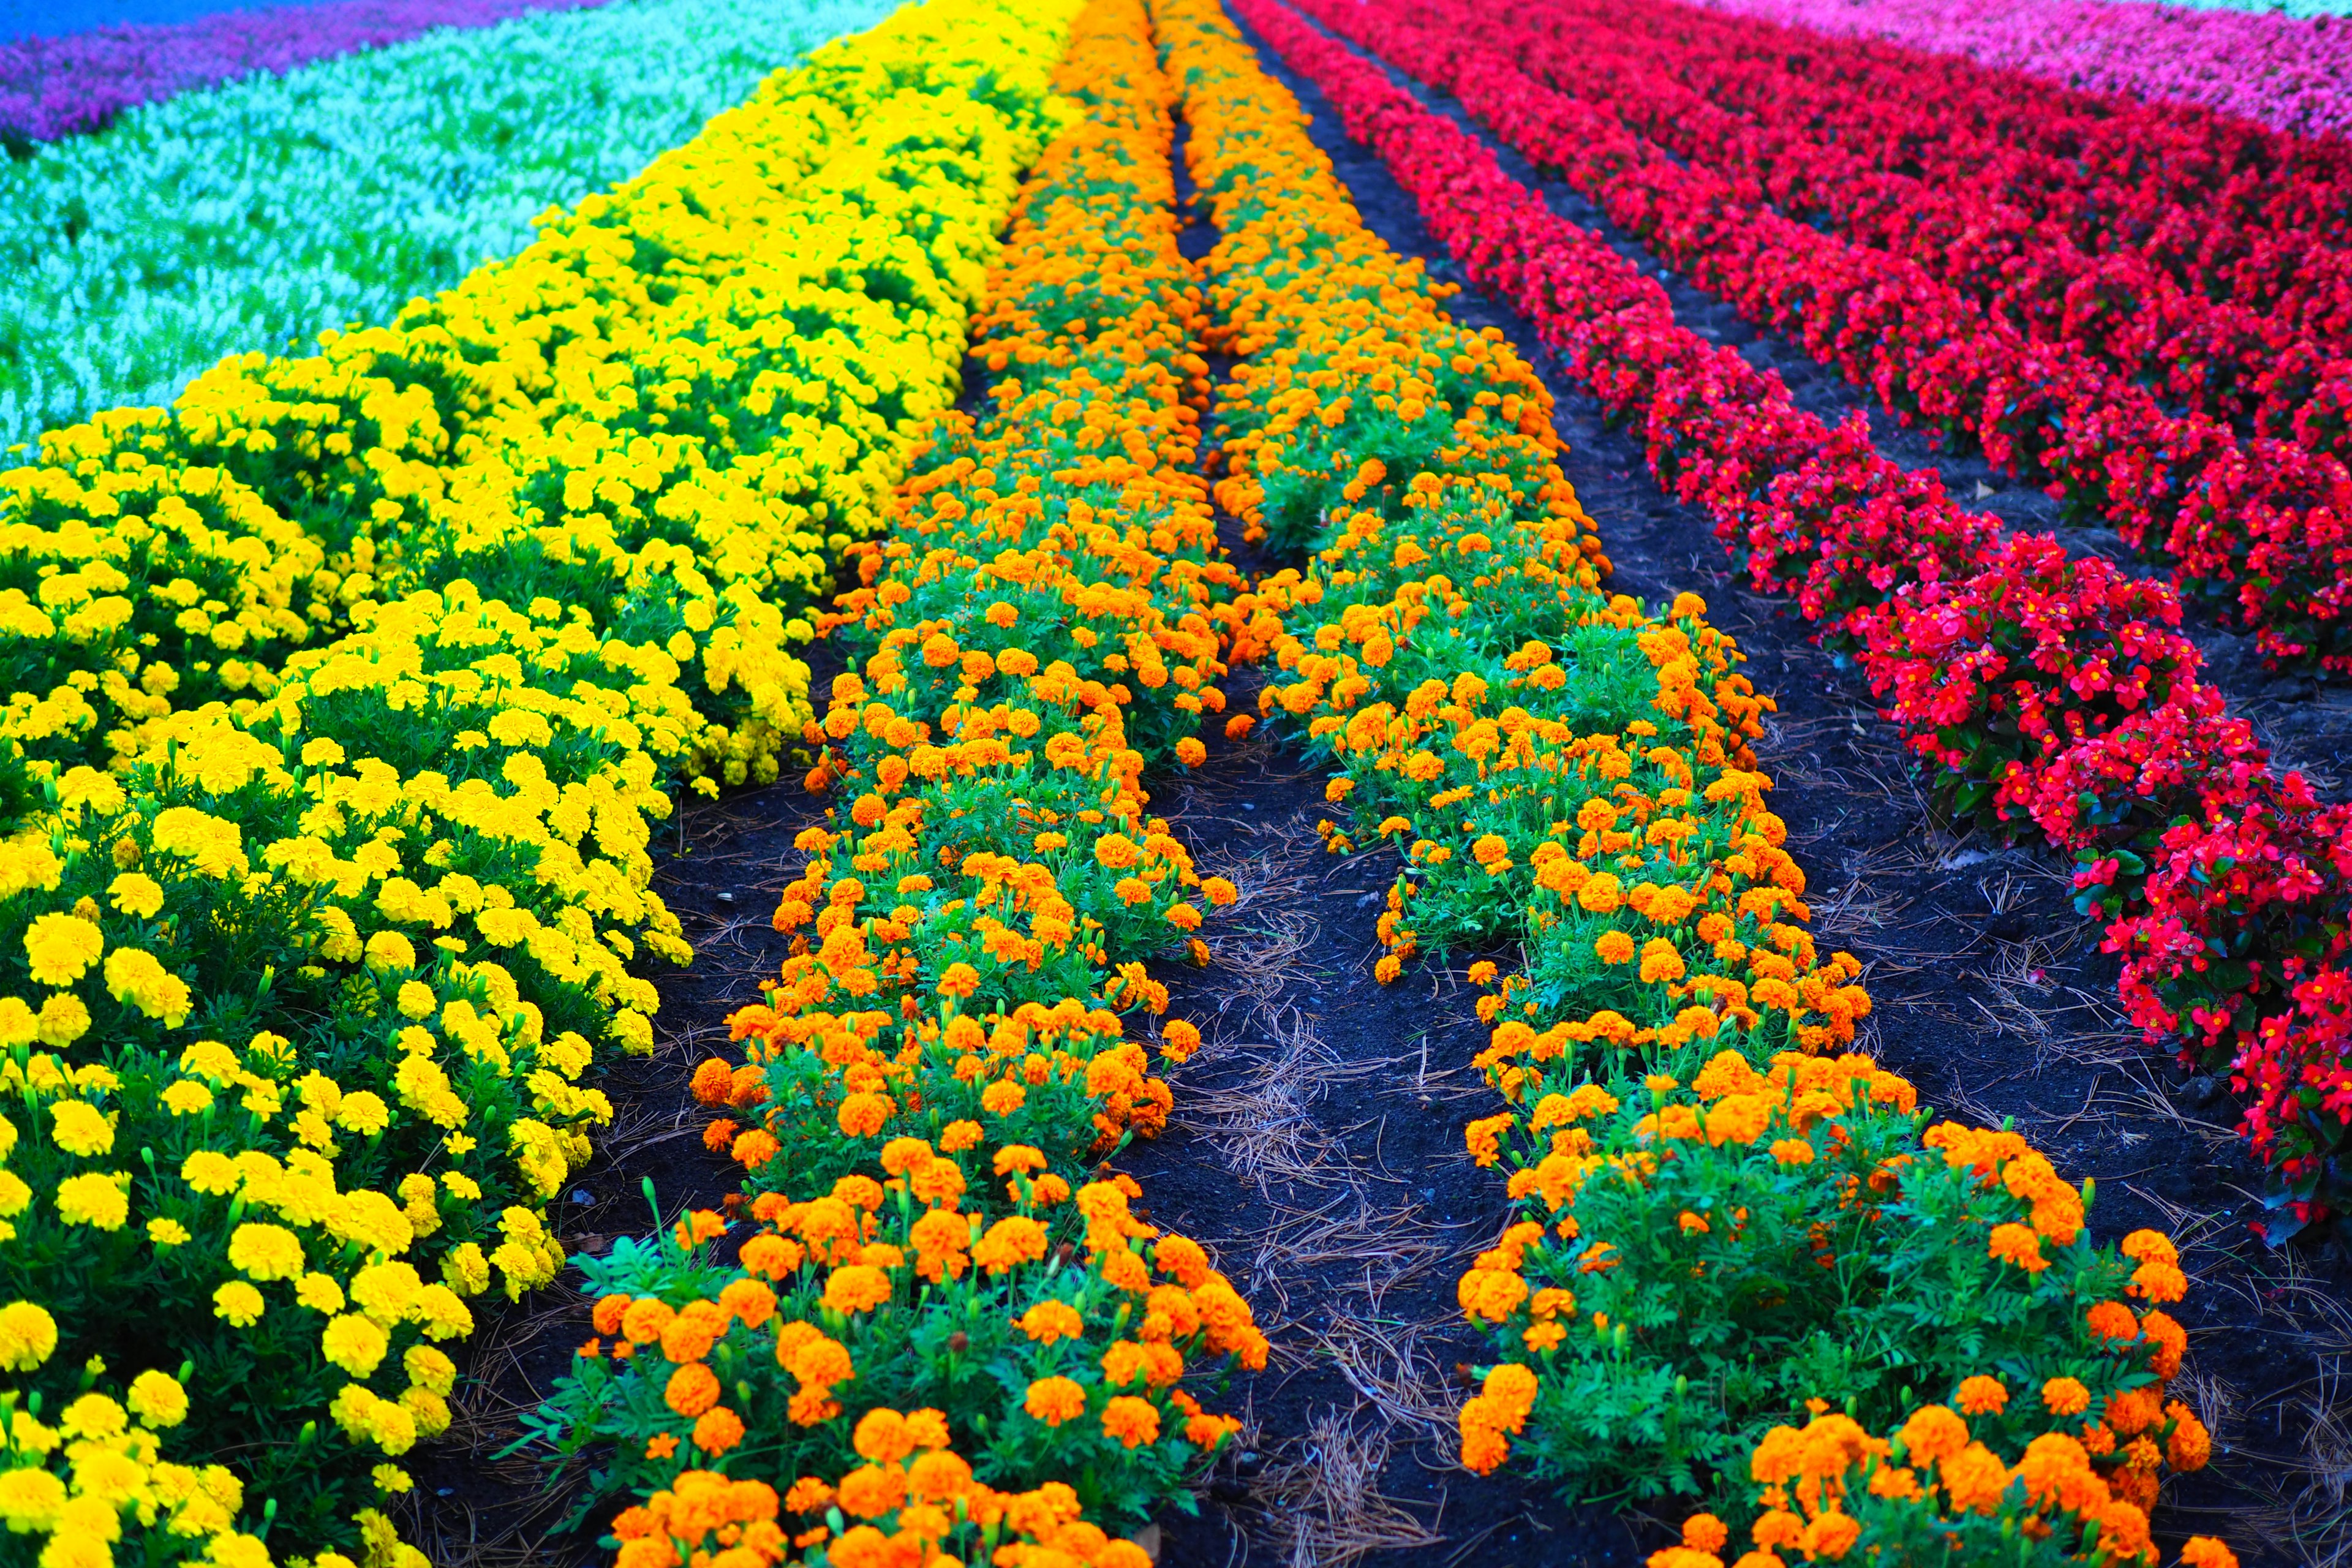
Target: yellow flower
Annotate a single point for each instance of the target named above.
(355, 1344)
(187, 1098)
(62, 948)
(98, 1199)
(238, 1302)
(167, 1233)
(210, 1171)
(80, 1128)
(157, 1399)
(138, 979)
(136, 894)
(266, 1252)
(28, 1336)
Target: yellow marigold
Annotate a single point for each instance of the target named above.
(97, 1199)
(80, 1128)
(157, 1399)
(1054, 1400)
(266, 1252)
(136, 894)
(28, 1336)
(62, 948)
(354, 1342)
(238, 1302)
(1134, 1422)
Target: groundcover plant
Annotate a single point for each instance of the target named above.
(998, 423)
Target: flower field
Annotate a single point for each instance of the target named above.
(689, 684)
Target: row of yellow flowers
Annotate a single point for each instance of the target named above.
(1721, 1227)
(950, 1321)
(346, 695)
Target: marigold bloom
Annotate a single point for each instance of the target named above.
(2018, 1245)
(1614, 947)
(2065, 1397)
(98, 1199)
(857, 1287)
(1054, 1400)
(1933, 1435)
(691, 1390)
(2112, 1321)
(718, 1430)
(28, 1336)
(1133, 1421)
(864, 1114)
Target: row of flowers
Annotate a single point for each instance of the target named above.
(2041, 690)
(2217, 207)
(1720, 1221)
(2100, 307)
(301, 993)
(53, 86)
(2262, 530)
(264, 211)
(939, 1312)
(2241, 72)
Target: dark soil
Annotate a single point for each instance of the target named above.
(1316, 1145)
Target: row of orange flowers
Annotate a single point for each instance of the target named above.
(1738, 1265)
(952, 1319)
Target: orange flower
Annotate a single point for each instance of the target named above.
(2204, 1552)
(1050, 1320)
(958, 980)
(1179, 1039)
(2065, 1397)
(1132, 1421)
(1013, 1240)
(2016, 1244)
(2190, 1445)
(863, 1115)
(1055, 1400)
(718, 1430)
(692, 1389)
(857, 1287)
(2112, 1321)
(1933, 1435)
(1983, 1396)
(1614, 947)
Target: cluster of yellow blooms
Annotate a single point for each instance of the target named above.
(346, 694)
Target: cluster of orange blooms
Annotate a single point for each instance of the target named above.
(913, 1498)
(1829, 1486)
(1038, 626)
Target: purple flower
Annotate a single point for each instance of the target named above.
(55, 87)
(2291, 73)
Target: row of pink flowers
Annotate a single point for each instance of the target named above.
(2285, 71)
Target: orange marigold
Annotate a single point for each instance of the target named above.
(1055, 1400)
(1133, 1421)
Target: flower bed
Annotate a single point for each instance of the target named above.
(399, 655)
(930, 1087)
(53, 87)
(2262, 530)
(1561, 770)
(2142, 775)
(2281, 71)
(262, 213)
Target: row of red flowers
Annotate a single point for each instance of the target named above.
(1675, 74)
(2041, 690)
(2228, 210)
(2264, 524)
